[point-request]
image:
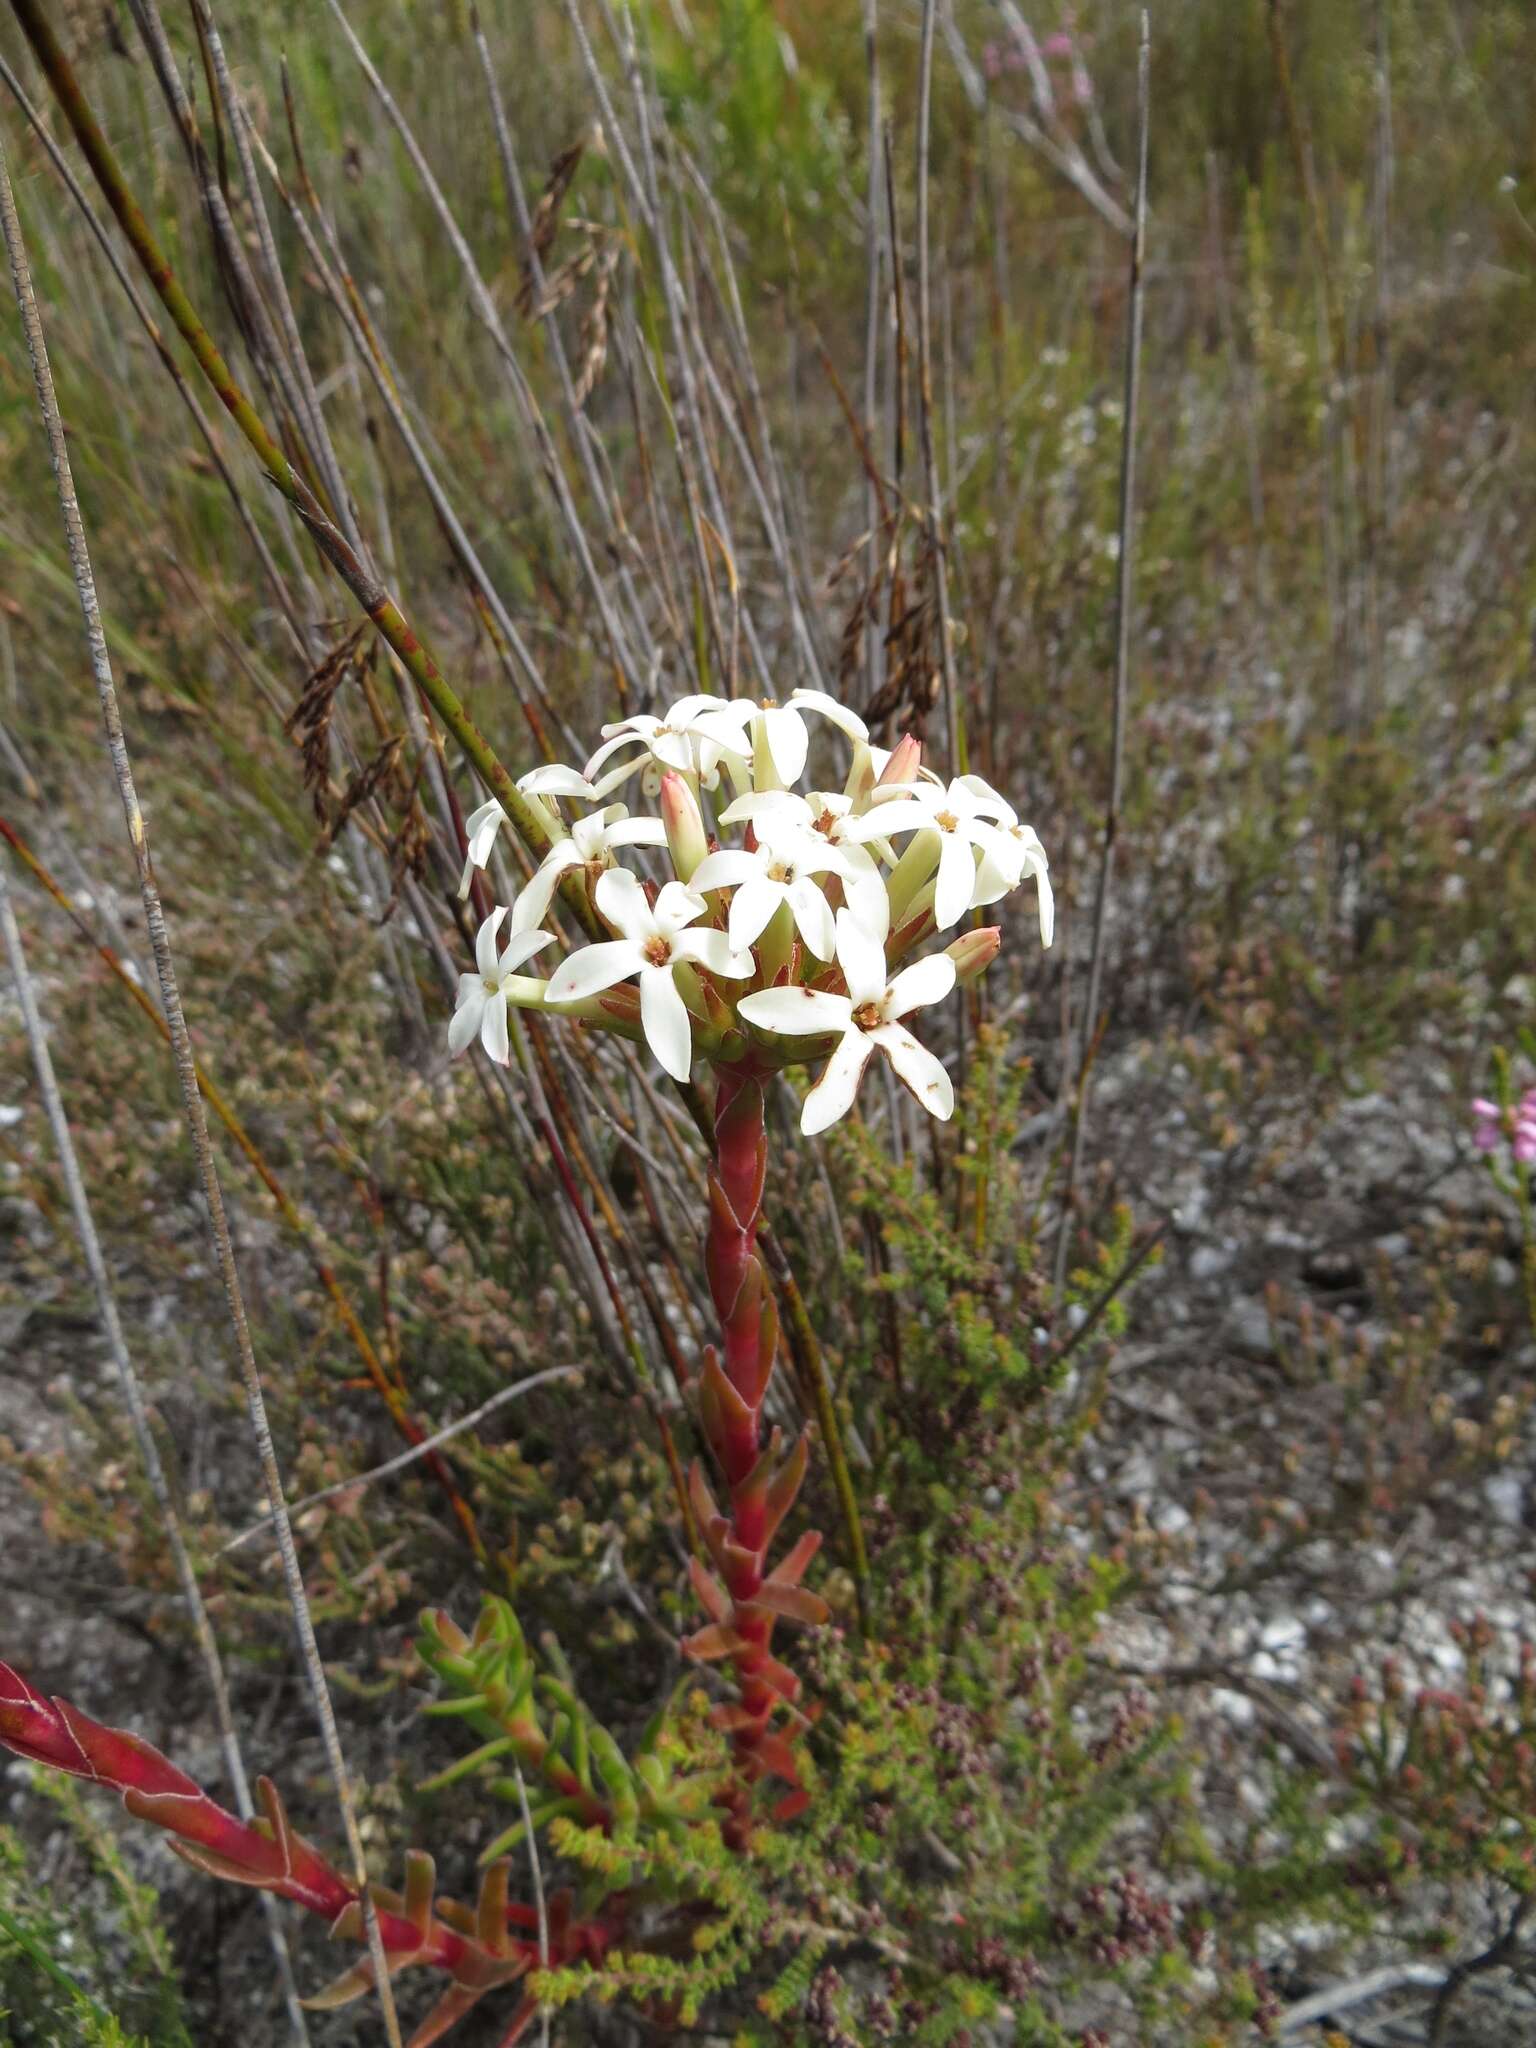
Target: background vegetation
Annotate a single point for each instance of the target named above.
(1198, 1587)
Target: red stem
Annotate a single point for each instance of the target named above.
(747, 1599)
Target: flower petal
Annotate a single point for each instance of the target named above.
(521, 946)
(798, 1012)
(752, 906)
(595, 968)
(485, 942)
(763, 803)
(845, 720)
(622, 901)
(555, 779)
(673, 750)
(957, 879)
(465, 1021)
(862, 958)
(865, 892)
(985, 799)
(916, 1065)
(925, 981)
(664, 1018)
(725, 869)
(713, 950)
(833, 1095)
(813, 917)
(493, 1029)
(480, 829)
(787, 739)
(1047, 907)
(635, 832)
(615, 736)
(901, 814)
(536, 894)
(678, 904)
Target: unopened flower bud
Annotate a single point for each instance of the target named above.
(687, 841)
(974, 952)
(906, 759)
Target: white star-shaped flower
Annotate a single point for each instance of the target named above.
(694, 738)
(966, 827)
(482, 825)
(866, 1019)
(589, 840)
(1016, 852)
(482, 998)
(780, 870)
(830, 815)
(653, 944)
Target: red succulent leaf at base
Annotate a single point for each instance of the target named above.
(477, 1951)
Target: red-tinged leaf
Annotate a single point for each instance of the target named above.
(522, 2020)
(457, 2000)
(776, 1756)
(714, 1641)
(784, 1485)
(792, 1603)
(208, 1861)
(420, 1884)
(288, 1843)
(491, 1907)
(703, 1500)
(724, 1222)
(779, 1677)
(729, 1424)
(791, 1806)
(730, 1718)
(737, 1562)
(713, 1597)
(342, 1990)
(791, 1567)
(767, 1344)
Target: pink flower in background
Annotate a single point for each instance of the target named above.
(1524, 1145)
(1022, 52)
(1492, 1128)
(1488, 1128)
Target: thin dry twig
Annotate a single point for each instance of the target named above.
(408, 1457)
(1123, 594)
(936, 543)
(197, 1124)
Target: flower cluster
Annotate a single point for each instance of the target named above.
(1495, 1126)
(779, 925)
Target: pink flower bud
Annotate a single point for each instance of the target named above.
(974, 952)
(687, 841)
(906, 759)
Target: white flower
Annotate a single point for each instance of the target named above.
(779, 871)
(1003, 864)
(590, 840)
(654, 943)
(694, 738)
(482, 999)
(966, 826)
(866, 1017)
(775, 734)
(772, 810)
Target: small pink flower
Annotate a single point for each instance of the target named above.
(1489, 1131)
